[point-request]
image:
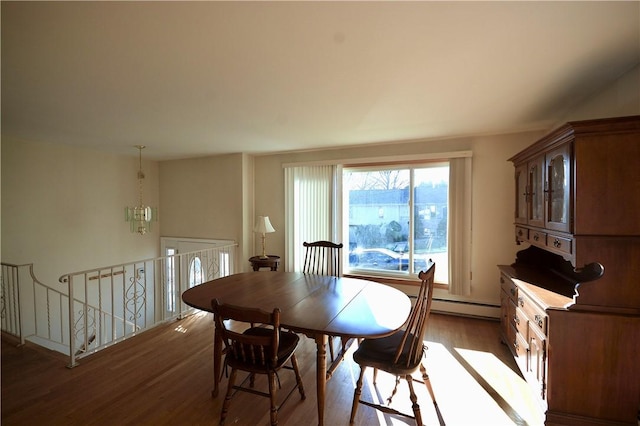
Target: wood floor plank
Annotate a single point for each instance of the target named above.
(164, 377)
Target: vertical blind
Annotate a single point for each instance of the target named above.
(309, 209)
(460, 226)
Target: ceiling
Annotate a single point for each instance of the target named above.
(201, 78)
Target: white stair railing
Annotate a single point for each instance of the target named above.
(110, 304)
(30, 310)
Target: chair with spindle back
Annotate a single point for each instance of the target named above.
(323, 258)
(258, 350)
(401, 353)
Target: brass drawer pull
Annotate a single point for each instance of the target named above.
(516, 319)
(536, 237)
(521, 301)
(513, 291)
(539, 320)
(557, 243)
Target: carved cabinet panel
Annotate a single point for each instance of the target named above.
(557, 189)
(530, 208)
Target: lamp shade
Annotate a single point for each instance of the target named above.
(263, 225)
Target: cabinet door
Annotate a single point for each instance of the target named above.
(522, 194)
(536, 192)
(557, 189)
(537, 360)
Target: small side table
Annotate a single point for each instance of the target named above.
(271, 262)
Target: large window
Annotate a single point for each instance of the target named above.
(390, 214)
(395, 219)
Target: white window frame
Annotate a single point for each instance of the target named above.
(460, 197)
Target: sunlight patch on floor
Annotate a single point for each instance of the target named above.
(180, 329)
(183, 323)
(510, 386)
(461, 399)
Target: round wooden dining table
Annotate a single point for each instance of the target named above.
(314, 305)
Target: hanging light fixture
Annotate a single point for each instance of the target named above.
(140, 216)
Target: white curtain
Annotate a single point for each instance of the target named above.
(460, 226)
(309, 209)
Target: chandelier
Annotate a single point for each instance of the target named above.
(140, 216)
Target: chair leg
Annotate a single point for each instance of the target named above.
(294, 364)
(414, 400)
(330, 343)
(427, 382)
(273, 389)
(356, 395)
(395, 389)
(228, 396)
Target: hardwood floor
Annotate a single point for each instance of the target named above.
(164, 377)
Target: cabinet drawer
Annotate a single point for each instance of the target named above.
(539, 321)
(522, 234)
(520, 321)
(537, 237)
(534, 313)
(520, 347)
(510, 335)
(562, 244)
(509, 287)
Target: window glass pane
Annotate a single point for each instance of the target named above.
(378, 219)
(195, 272)
(393, 230)
(431, 213)
(170, 281)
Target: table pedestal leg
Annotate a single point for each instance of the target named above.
(321, 373)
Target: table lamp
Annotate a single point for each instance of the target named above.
(263, 226)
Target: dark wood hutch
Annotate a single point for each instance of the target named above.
(571, 300)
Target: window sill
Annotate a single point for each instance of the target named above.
(414, 281)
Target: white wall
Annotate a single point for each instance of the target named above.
(209, 197)
(621, 98)
(63, 208)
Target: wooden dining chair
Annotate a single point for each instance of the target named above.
(401, 353)
(323, 258)
(257, 350)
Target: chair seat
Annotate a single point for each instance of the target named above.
(288, 341)
(380, 354)
(288, 344)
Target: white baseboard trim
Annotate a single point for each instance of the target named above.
(471, 309)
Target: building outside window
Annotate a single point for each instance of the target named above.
(397, 218)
